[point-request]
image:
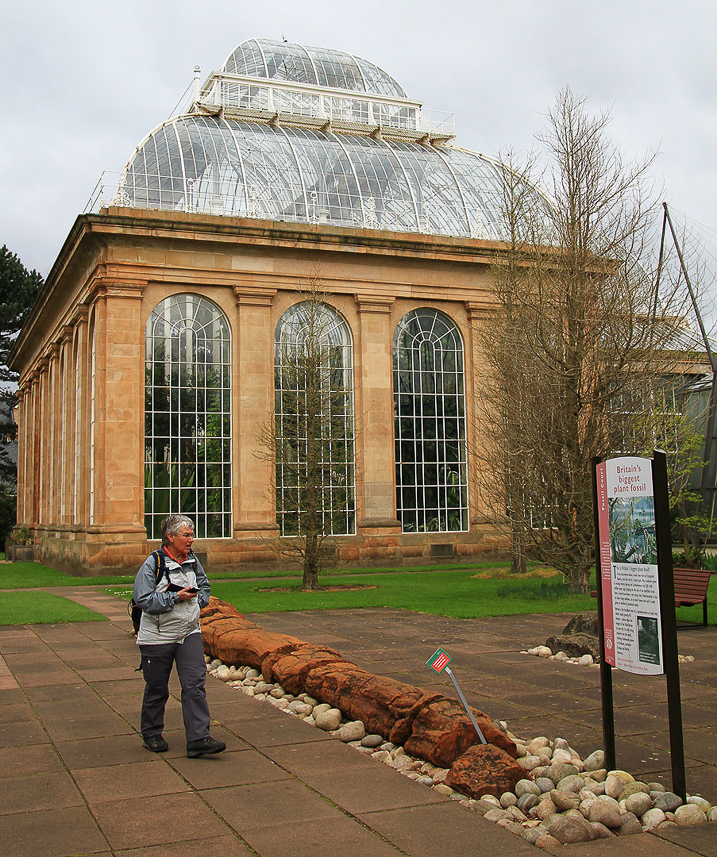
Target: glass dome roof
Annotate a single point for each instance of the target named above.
(317, 66)
(271, 136)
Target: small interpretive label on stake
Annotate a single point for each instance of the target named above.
(439, 660)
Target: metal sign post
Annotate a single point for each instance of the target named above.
(438, 662)
(635, 588)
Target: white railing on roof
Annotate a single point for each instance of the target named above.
(235, 92)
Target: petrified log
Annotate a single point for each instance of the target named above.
(442, 731)
(232, 638)
(430, 725)
(290, 665)
(484, 770)
(385, 706)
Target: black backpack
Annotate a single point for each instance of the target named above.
(160, 571)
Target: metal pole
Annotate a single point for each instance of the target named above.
(465, 704)
(669, 621)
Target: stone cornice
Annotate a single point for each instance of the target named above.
(248, 296)
(374, 303)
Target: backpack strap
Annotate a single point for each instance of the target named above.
(160, 567)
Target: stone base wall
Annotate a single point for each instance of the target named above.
(88, 554)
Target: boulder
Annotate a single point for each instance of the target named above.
(482, 770)
(442, 731)
(583, 623)
(568, 829)
(574, 645)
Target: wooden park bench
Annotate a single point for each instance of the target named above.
(690, 589)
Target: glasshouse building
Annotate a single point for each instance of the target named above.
(300, 184)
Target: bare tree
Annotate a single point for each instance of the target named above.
(311, 438)
(579, 341)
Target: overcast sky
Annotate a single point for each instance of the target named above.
(83, 81)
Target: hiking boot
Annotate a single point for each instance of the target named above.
(155, 743)
(204, 747)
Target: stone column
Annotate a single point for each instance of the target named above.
(79, 451)
(21, 418)
(374, 418)
(253, 398)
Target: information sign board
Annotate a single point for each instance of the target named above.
(632, 624)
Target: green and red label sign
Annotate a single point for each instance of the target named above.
(439, 660)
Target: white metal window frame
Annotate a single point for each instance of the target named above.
(188, 444)
(430, 424)
(339, 493)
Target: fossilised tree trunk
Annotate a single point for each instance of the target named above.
(431, 726)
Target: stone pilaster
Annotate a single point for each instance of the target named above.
(117, 342)
(374, 418)
(253, 398)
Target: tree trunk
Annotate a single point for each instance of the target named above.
(580, 581)
(518, 560)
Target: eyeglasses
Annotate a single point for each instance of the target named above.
(189, 535)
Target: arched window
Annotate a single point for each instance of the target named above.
(188, 416)
(314, 422)
(429, 415)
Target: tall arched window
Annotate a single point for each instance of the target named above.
(188, 416)
(314, 421)
(430, 425)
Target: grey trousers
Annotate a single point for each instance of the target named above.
(192, 672)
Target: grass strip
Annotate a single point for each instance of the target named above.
(457, 594)
(32, 608)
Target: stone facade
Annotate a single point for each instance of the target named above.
(81, 363)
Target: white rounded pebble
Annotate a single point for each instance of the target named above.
(689, 814)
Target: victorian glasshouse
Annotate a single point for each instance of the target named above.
(151, 364)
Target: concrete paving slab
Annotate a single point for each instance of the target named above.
(230, 768)
(50, 833)
(38, 792)
(638, 845)
(98, 752)
(129, 781)
(261, 805)
(34, 759)
(87, 727)
(272, 731)
(376, 788)
(140, 822)
(700, 839)
(441, 829)
(16, 712)
(326, 756)
(217, 846)
(335, 837)
(22, 733)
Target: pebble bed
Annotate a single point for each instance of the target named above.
(563, 798)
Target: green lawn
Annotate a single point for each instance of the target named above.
(458, 591)
(455, 593)
(32, 575)
(30, 608)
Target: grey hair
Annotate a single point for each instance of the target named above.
(171, 525)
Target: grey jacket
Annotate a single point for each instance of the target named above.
(166, 619)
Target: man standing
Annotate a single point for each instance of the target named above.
(171, 588)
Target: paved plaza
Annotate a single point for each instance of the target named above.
(75, 779)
